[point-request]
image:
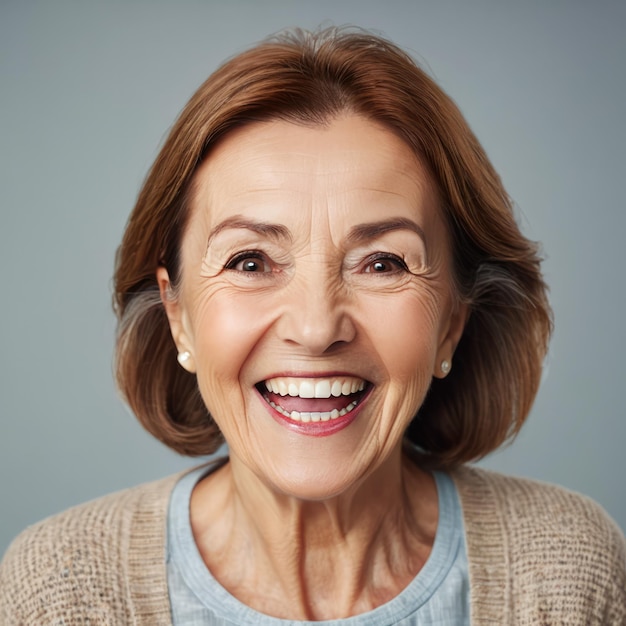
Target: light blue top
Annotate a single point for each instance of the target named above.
(438, 595)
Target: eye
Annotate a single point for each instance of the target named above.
(249, 262)
(384, 264)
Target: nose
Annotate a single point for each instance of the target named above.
(315, 316)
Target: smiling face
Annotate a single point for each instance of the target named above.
(315, 299)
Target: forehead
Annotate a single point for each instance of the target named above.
(350, 156)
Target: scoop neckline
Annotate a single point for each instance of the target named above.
(212, 595)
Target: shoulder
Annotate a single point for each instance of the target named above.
(540, 506)
(560, 551)
(77, 564)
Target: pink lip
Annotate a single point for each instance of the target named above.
(317, 429)
(301, 374)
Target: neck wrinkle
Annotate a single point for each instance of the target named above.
(329, 559)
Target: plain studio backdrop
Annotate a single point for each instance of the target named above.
(88, 91)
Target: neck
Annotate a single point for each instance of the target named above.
(315, 560)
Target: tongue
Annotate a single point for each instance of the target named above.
(311, 405)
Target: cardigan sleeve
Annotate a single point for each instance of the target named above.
(568, 560)
(615, 612)
(560, 557)
(66, 569)
(99, 563)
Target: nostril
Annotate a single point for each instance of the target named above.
(317, 330)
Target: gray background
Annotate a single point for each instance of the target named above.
(88, 90)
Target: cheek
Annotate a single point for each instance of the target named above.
(226, 329)
(405, 333)
(406, 341)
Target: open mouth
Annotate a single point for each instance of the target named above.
(314, 399)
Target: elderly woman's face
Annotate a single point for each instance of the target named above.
(316, 298)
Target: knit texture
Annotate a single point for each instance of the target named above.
(538, 554)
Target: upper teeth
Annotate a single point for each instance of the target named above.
(315, 387)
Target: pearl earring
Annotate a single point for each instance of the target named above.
(183, 357)
(445, 366)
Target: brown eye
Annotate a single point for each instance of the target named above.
(385, 264)
(249, 262)
(249, 265)
(381, 266)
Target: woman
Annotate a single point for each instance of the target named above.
(323, 270)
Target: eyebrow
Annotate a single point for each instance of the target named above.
(358, 234)
(372, 230)
(272, 231)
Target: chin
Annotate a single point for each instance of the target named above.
(310, 481)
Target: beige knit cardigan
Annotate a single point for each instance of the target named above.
(537, 555)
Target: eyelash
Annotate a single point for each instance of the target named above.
(242, 256)
(256, 255)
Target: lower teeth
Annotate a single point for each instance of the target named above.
(296, 416)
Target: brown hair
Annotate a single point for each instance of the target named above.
(309, 78)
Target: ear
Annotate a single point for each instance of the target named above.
(452, 336)
(179, 326)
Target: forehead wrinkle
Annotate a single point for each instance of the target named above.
(414, 198)
(385, 191)
(295, 162)
(257, 194)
